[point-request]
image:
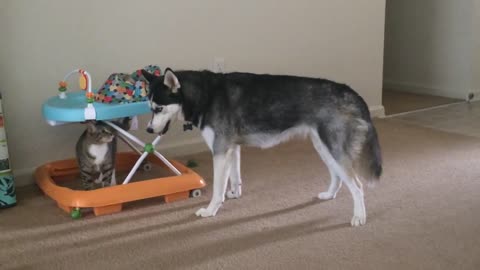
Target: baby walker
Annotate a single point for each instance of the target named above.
(79, 107)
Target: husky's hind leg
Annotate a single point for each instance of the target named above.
(235, 179)
(355, 187)
(333, 188)
(335, 182)
(347, 176)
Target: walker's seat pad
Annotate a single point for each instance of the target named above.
(126, 88)
(72, 109)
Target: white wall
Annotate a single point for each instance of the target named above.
(42, 40)
(428, 46)
(476, 49)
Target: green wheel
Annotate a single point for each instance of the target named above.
(76, 214)
(192, 163)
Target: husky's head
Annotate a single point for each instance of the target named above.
(163, 100)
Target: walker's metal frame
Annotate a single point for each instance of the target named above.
(148, 148)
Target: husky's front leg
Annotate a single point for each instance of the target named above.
(221, 171)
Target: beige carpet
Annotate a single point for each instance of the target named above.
(460, 118)
(425, 214)
(399, 102)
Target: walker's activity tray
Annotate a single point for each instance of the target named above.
(72, 108)
(109, 200)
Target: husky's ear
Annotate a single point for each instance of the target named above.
(171, 81)
(149, 76)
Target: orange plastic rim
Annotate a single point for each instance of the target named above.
(69, 198)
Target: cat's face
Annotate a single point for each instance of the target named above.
(100, 132)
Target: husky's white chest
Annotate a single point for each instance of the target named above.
(98, 151)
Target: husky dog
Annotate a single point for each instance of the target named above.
(236, 109)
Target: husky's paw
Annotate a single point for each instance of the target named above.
(204, 212)
(358, 221)
(234, 194)
(326, 196)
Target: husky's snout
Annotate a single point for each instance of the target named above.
(165, 129)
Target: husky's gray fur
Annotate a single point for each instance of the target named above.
(263, 110)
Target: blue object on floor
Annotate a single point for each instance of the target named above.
(7, 185)
(7, 190)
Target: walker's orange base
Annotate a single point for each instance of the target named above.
(109, 200)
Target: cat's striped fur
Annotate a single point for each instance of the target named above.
(96, 149)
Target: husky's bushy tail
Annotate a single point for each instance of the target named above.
(369, 162)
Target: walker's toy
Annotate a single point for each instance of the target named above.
(79, 107)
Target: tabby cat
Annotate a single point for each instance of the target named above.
(96, 149)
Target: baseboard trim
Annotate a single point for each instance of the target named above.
(423, 89)
(24, 177)
(425, 109)
(377, 111)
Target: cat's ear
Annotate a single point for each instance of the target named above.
(91, 127)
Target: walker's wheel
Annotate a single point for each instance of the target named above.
(76, 213)
(192, 163)
(196, 193)
(147, 167)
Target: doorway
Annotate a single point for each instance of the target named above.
(427, 53)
